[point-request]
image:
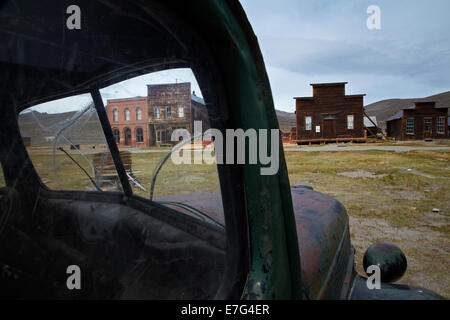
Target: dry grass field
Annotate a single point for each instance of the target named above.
(389, 196)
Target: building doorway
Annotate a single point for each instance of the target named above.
(329, 128)
(127, 135)
(161, 136)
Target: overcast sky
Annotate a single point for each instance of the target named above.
(126, 89)
(311, 41)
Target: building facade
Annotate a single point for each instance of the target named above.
(129, 118)
(150, 121)
(329, 115)
(418, 122)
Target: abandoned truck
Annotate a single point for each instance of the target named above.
(255, 238)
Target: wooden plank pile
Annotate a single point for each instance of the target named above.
(105, 171)
(104, 164)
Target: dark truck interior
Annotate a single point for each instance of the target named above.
(128, 247)
(129, 251)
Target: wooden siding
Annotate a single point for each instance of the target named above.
(174, 96)
(329, 108)
(394, 129)
(420, 112)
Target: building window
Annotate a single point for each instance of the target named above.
(427, 124)
(157, 115)
(168, 112)
(441, 125)
(116, 134)
(180, 112)
(308, 123)
(139, 135)
(138, 113)
(409, 126)
(350, 122)
(127, 114)
(115, 115)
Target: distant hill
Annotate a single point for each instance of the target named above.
(42, 127)
(91, 133)
(385, 108)
(286, 120)
(86, 130)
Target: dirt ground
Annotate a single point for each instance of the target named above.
(389, 196)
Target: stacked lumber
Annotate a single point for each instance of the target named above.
(104, 163)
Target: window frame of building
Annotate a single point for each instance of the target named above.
(157, 113)
(138, 113)
(308, 126)
(126, 114)
(180, 112)
(115, 113)
(168, 112)
(139, 135)
(427, 124)
(350, 123)
(408, 126)
(440, 126)
(116, 134)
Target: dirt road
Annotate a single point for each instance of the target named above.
(337, 147)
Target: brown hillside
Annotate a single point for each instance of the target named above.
(286, 120)
(385, 108)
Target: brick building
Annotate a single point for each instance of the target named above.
(330, 115)
(129, 118)
(420, 121)
(149, 121)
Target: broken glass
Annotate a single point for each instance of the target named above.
(67, 145)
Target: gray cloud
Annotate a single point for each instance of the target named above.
(321, 41)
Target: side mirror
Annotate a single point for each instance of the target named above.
(389, 258)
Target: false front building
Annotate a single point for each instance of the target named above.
(420, 121)
(330, 115)
(150, 121)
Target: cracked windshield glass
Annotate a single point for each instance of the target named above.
(66, 143)
(67, 146)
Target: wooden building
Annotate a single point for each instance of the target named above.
(172, 106)
(448, 125)
(418, 122)
(330, 115)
